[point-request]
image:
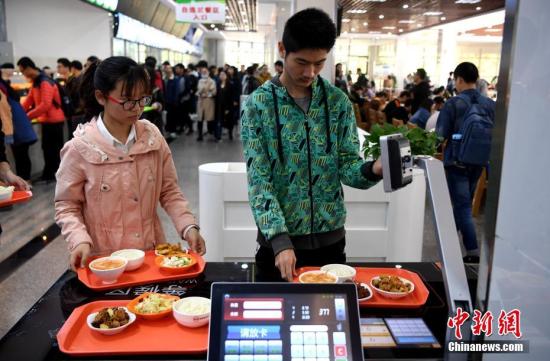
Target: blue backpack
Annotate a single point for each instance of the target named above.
(474, 135)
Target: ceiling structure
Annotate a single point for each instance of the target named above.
(401, 16)
(495, 30)
(241, 15)
(358, 16)
(154, 13)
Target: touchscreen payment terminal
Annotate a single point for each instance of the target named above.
(284, 321)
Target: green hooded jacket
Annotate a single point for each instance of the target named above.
(296, 163)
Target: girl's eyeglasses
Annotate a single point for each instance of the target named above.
(131, 104)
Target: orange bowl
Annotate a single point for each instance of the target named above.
(150, 316)
(159, 261)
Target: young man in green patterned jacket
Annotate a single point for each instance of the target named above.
(300, 143)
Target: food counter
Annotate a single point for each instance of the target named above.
(34, 336)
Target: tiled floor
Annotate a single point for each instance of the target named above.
(20, 290)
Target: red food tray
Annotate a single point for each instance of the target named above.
(143, 337)
(17, 197)
(149, 272)
(364, 274)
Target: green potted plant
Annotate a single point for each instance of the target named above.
(422, 142)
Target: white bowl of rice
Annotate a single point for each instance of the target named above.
(192, 311)
(342, 271)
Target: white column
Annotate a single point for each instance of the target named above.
(447, 54)
(328, 6)
(401, 64)
(518, 192)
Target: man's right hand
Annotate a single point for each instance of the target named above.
(79, 256)
(285, 261)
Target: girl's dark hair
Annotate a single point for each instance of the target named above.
(104, 76)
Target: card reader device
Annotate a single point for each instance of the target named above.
(397, 161)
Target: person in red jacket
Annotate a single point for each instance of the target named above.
(44, 104)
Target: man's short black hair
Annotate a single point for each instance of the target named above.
(405, 93)
(439, 100)
(92, 59)
(26, 62)
(7, 66)
(427, 104)
(279, 63)
(467, 71)
(202, 64)
(75, 64)
(382, 94)
(179, 65)
(151, 62)
(309, 29)
(65, 62)
(166, 63)
(421, 73)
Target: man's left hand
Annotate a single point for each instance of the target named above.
(377, 167)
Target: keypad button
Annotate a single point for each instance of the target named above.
(260, 347)
(297, 351)
(310, 351)
(322, 351)
(296, 338)
(275, 347)
(232, 347)
(322, 338)
(309, 338)
(246, 347)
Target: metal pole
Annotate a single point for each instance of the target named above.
(454, 275)
(3, 28)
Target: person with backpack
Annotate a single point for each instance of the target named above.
(44, 104)
(466, 122)
(300, 144)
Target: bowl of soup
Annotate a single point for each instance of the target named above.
(108, 269)
(318, 277)
(135, 258)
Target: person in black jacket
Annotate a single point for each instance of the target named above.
(392, 108)
(421, 90)
(225, 102)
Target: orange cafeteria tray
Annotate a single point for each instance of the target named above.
(149, 272)
(143, 337)
(17, 197)
(364, 274)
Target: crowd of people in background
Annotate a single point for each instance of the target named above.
(183, 99)
(416, 105)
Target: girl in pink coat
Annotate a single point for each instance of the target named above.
(116, 169)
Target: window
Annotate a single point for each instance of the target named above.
(118, 47)
(132, 50)
(245, 53)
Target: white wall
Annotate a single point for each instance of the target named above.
(46, 30)
(520, 276)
